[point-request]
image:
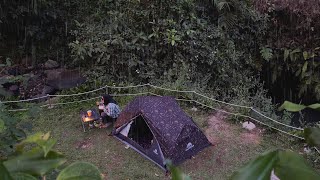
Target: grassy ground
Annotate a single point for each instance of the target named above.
(116, 162)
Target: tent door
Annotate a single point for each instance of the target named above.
(138, 135)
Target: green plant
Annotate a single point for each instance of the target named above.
(292, 107)
(266, 53)
(176, 174)
(10, 133)
(172, 37)
(8, 63)
(284, 163)
(41, 159)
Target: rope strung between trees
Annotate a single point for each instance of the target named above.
(186, 100)
(156, 87)
(241, 115)
(72, 102)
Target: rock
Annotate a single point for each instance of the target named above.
(307, 150)
(54, 73)
(194, 109)
(66, 79)
(51, 64)
(248, 125)
(14, 89)
(48, 90)
(10, 88)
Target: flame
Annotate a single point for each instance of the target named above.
(86, 119)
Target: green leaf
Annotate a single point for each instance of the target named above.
(305, 55)
(47, 145)
(2, 126)
(80, 171)
(292, 166)
(315, 106)
(286, 54)
(151, 35)
(3, 80)
(312, 136)
(41, 139)
(34, 162)
(274, 76)
(77, 23)
(259, 168)
(8, 62)
(4, 173)
(292, 107)
(305, 66)
(295, 51)
(298, 72)
(176, 174)
(293, 54)
(34, 138)
(266, 53)
(23, 176)
(18, 133)
(173, 42)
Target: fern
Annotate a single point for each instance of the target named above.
(266, 53)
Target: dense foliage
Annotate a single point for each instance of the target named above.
(33, 29)
(231, 49)
(293, 38)
(195, 44)
(35, 158)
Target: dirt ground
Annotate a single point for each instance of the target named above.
(232, 147)
(220, 132)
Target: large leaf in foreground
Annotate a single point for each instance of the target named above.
(23, 176)
(315, 106)
(312, 136)
(80, 171)
(176, 173)
(292, 166)
(34, 162)
(292, 107)
(259, 168)
(4, 173)
(41, 139)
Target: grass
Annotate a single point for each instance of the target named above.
(116, 162)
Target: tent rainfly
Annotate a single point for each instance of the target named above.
(158, 129)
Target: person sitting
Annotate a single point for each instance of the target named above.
(110, 110)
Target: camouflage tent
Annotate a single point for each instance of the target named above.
(158, 129)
